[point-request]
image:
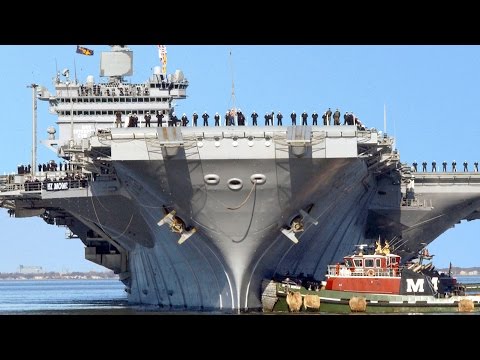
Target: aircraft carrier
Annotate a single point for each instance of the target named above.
(197, 217)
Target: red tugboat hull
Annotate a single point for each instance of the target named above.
(367, 284)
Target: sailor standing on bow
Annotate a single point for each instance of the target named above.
(279, 119)
(205, 117)
(293, 116)
(147, 118)
(159, 118)
(336, 117)
(118, 119)
(254, 118)
(304, 118)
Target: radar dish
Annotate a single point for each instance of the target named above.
(116, 63)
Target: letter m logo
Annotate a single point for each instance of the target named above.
(415, 286)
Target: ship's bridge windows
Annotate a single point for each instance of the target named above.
(358, 262)
(109, 100)
(129, 99)
(110, 112)
(122, 99)
(104, 100)
(378, 263)
(140, 99)
(369, 263)
(348, 263)
(134, 99)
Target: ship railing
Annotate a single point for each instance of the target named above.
(416, 203)
(35, 186)
(342, 270)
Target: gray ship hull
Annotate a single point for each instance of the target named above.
(238, 199)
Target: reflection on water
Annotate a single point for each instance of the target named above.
(41, 296)
(83, 297)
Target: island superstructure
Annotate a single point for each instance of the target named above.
(196, 217)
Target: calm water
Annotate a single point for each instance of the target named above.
(78, 296)
(43, 296)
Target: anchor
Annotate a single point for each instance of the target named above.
(177, 226)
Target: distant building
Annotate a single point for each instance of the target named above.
(30, 269)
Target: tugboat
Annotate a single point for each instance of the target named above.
(372, 279)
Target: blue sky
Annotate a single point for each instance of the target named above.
(431, 94)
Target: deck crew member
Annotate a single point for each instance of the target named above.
(205, 117)
(147, 118)
(345, 118)
(279, 119)
(424, 166)
(329, 115)
(475, 166)
(241, 118)
(444, 166)
(272, 116)
(118, 119)
(324, 117)
(175, 120)
(131, 120)
(254, 117)
(293, 116)
(434, 166)
(336, 117)
(227, 119)
(465, 166)
(454, 166)
(231, 117)
(159, 118)
(135, 120)
(195, 118)
(304, 117)
(314, 118)
(184, 119)
(217, 119)
(267, 118)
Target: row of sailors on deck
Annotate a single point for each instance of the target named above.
(121, 91)
(49, 166)
(444, 166)
(229, 119)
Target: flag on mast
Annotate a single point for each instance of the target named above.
(84, 51)
(162, 54)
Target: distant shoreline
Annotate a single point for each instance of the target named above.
(91, 275)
